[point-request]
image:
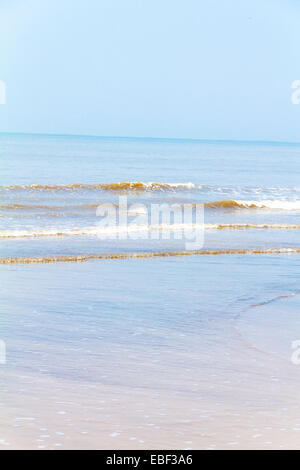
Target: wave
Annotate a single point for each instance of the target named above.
(159, 254)
(94, 231)
(276, 198)
(122, 186)
(214, 205)
(262, 204)
(153, 186)
(115, 230)
(246, 226)
(30, 207)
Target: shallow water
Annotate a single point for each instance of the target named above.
(158, 351)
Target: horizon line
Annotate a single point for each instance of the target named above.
(190, 139)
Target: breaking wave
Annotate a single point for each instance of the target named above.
(122, 186)
(280, 205)
(262, 204)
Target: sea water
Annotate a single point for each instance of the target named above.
(134, 341)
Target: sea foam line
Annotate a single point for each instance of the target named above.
(120, 186)
(159, 254)
(115, 230)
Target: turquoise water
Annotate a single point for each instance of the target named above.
(187, 351)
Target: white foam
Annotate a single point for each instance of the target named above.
(271, 204)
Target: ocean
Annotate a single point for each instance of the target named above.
(123, 338)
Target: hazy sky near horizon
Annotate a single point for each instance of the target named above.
(215, 69)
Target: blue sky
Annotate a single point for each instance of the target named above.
(214, 69)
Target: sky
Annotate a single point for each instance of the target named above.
(202, 69)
